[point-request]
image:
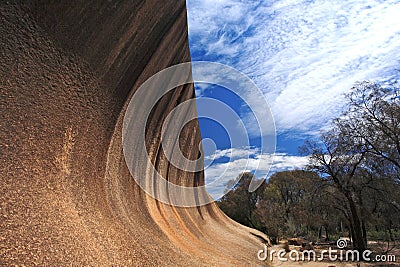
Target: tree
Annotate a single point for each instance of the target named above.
(287, 205)
(240, 204)
(340, 165)
(361, 148)
(372, 123)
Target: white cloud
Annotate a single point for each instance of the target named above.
(302, 54)
(218, 174)
(233, 153)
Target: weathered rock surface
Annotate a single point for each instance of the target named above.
(66, 195)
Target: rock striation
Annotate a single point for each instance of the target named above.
(68, 71)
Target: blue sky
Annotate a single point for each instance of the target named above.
(302, 54)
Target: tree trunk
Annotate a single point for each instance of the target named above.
(350, 234)
(362, 218)
(326, 233)
(364, 230)
(391, 238)
(341, 227)
(357, 230)
(320, 232)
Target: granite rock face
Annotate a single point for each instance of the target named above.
(66, 195)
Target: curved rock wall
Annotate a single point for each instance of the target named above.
(66, 195)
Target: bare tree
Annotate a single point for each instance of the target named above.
(372, 123)
(338, 164)
(361, 147)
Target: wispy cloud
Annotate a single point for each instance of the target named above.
(233, 153)
(302, 54)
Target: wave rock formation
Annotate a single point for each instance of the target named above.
(68, 71)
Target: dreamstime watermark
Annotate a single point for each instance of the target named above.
(144, 101)
(340, 254)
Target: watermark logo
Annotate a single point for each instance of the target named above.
(144, 100)
(332, 255)
(341, 243)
